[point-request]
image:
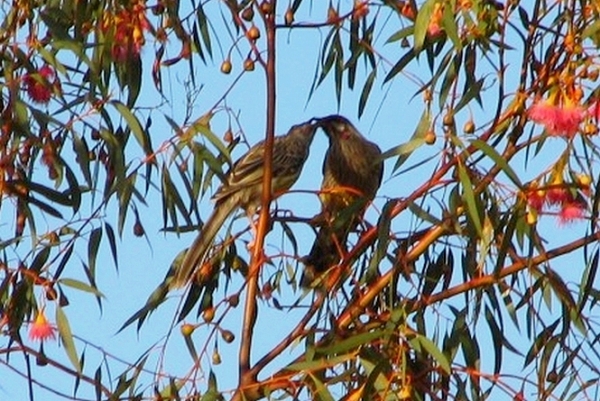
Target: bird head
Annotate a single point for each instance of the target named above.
(337, 127)
(307, 128)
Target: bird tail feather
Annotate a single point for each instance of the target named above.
(325, 253)
(196, 253)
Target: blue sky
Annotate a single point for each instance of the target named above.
(390, 118)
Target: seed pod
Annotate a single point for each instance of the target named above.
(253, 33)
(138, 229)
(289, 17)
(266, 7)
(430, 137)
(228, 136)
(209, 314)
(233, 300)
(216, 357)
(227, 336)
(469, 127)
(63, 301)
(226, 66)
(51, 293)
(187, 329)
(248, 13)
(249, 65)
(448, 119)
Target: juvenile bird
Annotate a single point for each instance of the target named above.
(352, 173)
(243, 189)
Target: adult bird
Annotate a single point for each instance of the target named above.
(243, 188)
(352, 173)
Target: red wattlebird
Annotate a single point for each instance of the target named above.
(352, 173)
(243, 189)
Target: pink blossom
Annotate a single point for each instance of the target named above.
(434, 29)
(594, 110)
(571, 211)
(41, 329)
(558, 120)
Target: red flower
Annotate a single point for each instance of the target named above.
(435, 22)
(594, 110)
(558, 120)
(128, 27)
(536, 199)
(361, 9)
(558, 195)
(571, 211)
(41, 329)
(39, 84)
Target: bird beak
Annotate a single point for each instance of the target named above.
(315, 121)
(321, 122)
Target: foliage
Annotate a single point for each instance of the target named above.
(450, 283)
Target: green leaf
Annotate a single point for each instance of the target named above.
(134, 125)
(420, 341)
(328, 56)
(52, 195)
(133, 77)
(450, 77)
(587, 280)
(193, 296)
(125, 189)
(321, 392)
(351, 343)
(417, 140)
(80, 285)
(383, 238)
(202, 127)
(423, 214)
(469, 198)
(400, 64)
(591, 30)
(212, 393)
(320, 363)
(158, 296)
(98, 383)
(93, 246)
(83, 157)
(203, 22)
(498, 159)
(40, 259)
(339, 68)
(451, 27)
(63, 262)
(189, 343)
(74, 191)
(497, 339)
(474, 91)
(422, 23)
(375, 365)
(366, 91)
(112, 243)
(64, 329)
(401, 34)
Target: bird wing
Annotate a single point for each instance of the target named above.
(249, 170)
(287, 166)
(246, 172)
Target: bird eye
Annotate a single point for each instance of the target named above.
(343, 131)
